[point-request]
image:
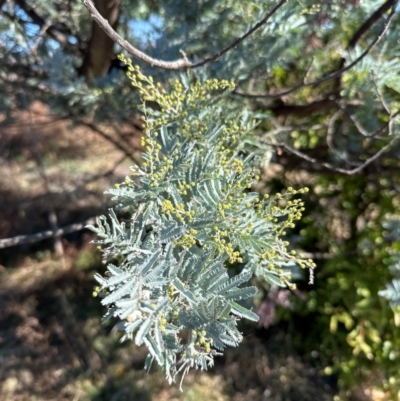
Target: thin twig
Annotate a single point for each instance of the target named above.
(383, 100)
(334, 74)
(103, 23)
(241, 38)
(330, 166)
(31, 238)
(363, 131)
(169, 65)
(308, 72)
(302, 109)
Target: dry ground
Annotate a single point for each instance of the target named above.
(53, 347)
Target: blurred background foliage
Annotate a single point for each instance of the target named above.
(70, 127)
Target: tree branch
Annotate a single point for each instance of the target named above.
(241, 38)
(169, 65)
(336, 73)
(367, 25)
(330, 166)
(103, 23)
(324, 104)
(326, 255)
(364, 28)
(299, 110)
(31, 238)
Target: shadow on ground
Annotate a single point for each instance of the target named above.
(53, 347)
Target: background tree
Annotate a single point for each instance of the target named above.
(324, 80)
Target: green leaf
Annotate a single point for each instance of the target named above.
(241, 293)
(117, 279)
(233, 282)
(118, 294)
(243, 312)
(171, 232)
(145, 267)
(272, 278)
(154, 349)
(181, 288)
(143, 330)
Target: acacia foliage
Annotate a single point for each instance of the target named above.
(189, 215)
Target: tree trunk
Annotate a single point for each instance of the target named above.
(100, 48)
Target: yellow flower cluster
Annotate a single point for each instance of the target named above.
(176, 103)
(293, 210)
(202, 340)
(179, 211)
(175, 314)
(231, 135)
(248, 227)
(163, 322)
(223, 206)
(220, 238)
(96, 291)
(157, 169)
(186, 241)
(235, 165)
(183, 187)
(100, 291)
(170, 293)
(314, 9)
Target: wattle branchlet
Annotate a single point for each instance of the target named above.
(192, 215)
